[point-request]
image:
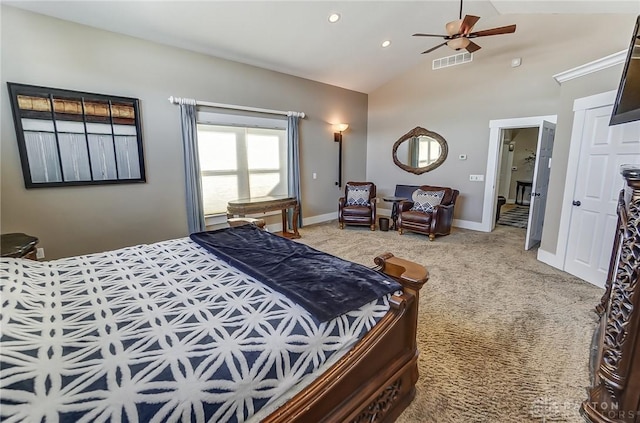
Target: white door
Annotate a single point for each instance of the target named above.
(593, 215)
(540, 184)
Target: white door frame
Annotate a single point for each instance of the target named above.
(580, 107)
(493, 159)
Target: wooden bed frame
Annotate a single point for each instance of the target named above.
(614, 394)
(375, 381)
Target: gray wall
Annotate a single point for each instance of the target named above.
(458, 102)
(39, 50)
(595, 83)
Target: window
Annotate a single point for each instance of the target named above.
(240, 161)
(75, 138)
(429, 151)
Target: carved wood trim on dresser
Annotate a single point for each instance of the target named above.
(615, 392)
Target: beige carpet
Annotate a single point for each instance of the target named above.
(502, 336)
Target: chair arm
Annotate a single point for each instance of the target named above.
(373, 210)
(405, 206)
(441, 219)
(341, 202)
(448, 207)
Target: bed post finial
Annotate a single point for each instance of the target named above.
(409, 274)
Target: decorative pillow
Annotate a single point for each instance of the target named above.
(357, 195)
(425, 201)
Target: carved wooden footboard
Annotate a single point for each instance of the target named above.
(615, 392)
(375, 381)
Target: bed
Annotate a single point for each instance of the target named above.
(189, 330)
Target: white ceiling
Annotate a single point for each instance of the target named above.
(296, 38)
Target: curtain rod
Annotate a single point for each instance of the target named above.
(178, 100)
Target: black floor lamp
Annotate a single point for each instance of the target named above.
(337, 137)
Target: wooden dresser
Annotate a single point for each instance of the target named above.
(615, 392)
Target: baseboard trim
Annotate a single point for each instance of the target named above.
(550, 258)
(327, 217)
(467, 224)
(320, 218)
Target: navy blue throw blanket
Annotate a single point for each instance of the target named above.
(325, 285)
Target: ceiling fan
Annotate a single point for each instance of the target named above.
(460, 35)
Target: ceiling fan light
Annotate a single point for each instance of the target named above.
(458, 43)
(453, 27)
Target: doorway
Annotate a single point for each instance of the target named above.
(512, 169)
(517, 161)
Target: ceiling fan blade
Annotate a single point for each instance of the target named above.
(434, 48)
(494, 31)
(473, 47)
(467, 24)
(429, 35)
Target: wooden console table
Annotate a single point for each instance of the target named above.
(245, 206)
(522, 185)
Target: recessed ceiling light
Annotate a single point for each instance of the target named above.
(334, 17)
(386, 43)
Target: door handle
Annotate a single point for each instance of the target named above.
(577, 203)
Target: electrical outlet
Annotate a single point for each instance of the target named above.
(40, 253)
(462, 157)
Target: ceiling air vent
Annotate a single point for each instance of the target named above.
(456, 59)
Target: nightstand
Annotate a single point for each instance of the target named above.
(18, 245)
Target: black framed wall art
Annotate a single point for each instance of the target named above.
(68, 138)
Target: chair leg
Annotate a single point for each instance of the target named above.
(373, 227)
(341, 225)
(400, 231)
(432, 237)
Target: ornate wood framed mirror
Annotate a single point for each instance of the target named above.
(420, 150)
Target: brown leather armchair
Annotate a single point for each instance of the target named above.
(358, 206)
(432, 221)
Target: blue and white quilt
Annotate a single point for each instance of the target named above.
(156, 333)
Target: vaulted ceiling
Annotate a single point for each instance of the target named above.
(296, 37)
